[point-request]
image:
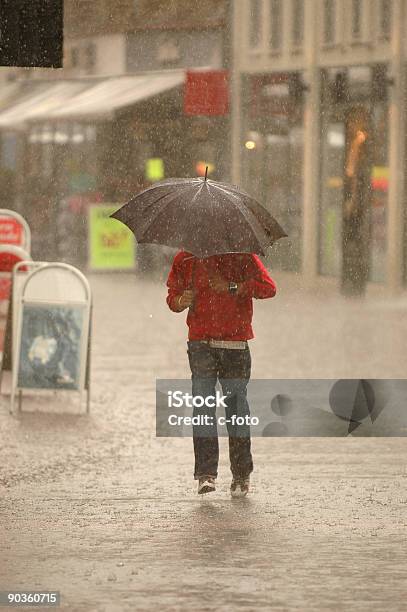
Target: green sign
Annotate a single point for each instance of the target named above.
(154, 169)
(111, 243)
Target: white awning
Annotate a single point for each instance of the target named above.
(8, 93)
(39, 102)
(85, 98)
(104, 98)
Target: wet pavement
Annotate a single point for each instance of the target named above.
(100, 509)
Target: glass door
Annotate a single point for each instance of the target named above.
(272, 160)
(354, 175)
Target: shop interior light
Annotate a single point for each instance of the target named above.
(250, 144)
(277, 139)
(47, 137)
(61, 137)
(78, 138)
(34, 137)
(336, 138)
(90, 132)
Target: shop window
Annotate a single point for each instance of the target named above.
(329, 22)
(297, 23)
(360, 24)
(90, 57)
(354, 173)
(74, 57)
(357, 16)
(272, 156)
(385, 17)
(255, 23)
(168, 51)
(8, 149)
(276, 24)
(85, 11)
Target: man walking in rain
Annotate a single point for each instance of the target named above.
(218, 291)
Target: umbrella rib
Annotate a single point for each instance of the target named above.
(161, 197)
(173, 197)
(169, 184)
(210, 196)
(229, 189)
(246, 213)
(197, 193)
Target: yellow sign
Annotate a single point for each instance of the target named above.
(380, 172)
(154, 169)
(111, 243)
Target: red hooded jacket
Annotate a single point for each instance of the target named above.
(220, 316)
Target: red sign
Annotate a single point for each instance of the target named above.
(8, 260)
(11, 231)
(9, 256)
(5, 286)
(206, 92)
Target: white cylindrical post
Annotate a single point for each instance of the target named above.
(311, 147)
(235, 90)
(395, 229)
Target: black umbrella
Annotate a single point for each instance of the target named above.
(201, 216)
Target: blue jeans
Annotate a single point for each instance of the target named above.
(232, 368)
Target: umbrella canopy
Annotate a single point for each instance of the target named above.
(201, 216)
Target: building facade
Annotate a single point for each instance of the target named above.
(117, 116)
(318, 99)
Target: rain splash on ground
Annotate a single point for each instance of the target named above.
(100, 509)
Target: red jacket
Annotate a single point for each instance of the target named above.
(221, 316)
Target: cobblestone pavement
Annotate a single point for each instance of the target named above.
(100, 509)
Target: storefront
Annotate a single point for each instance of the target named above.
(272, 158)
(61, 169)
(349, 122)
(354, 166)
(103, 140)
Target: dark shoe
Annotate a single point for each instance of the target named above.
(240, 487)
(206, 485)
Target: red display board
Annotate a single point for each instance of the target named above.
(8, 260)
(11, 231)
(206, 92)
(10, 254)
(5, 285)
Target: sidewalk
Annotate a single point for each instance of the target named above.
(100, 509)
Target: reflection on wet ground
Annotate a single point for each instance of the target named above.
(100, 509)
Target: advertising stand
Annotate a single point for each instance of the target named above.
(15, 245)
(50, 330)
(20, 272)
(10, 255)
(14, 229)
